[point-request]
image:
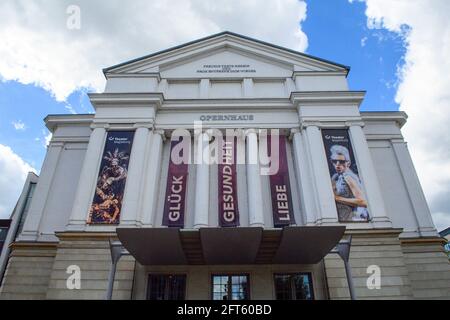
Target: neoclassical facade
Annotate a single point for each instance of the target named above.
(198, 230)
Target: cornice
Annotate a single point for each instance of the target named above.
(220, 104)
(326, 97)
(317, 73)
(129, 99)
(400, 117)
(156, 75)
(53, 120)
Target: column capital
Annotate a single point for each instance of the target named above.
(99, 125)
(355, 123)
(306, 124)
(56, 144)
(292, 132)
(251, 130)
(398, 140)
(147, 125)
(160, 132)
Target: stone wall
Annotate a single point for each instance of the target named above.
(28, 272)
(371, 247)
(92, 254)
(428, 267)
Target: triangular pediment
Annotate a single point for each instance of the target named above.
(226, 55)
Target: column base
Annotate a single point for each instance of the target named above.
(76, 225)
(257, 225)
(428, 232)
(381, 222)
(328, 222)
(28, 236)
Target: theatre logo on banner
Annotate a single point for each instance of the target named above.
(175, 199)
(348, 190)
(107, 202)
(280, 188)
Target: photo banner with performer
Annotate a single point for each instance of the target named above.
(348, 189)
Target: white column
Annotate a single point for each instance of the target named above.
(130, 209)
(419, 203)
(254, 191)
(324, 192)
(369, 178)
(30, 230)
(304, 177)
(201, 211)
(151, 179)
(87, 181)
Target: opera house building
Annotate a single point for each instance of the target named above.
(225, 168)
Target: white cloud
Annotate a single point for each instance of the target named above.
(423, 90)
(38, 48)
(363, 41)
(47, 138)
(13, 172)
(19, 125)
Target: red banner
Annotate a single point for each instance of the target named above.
(175, 199)
(283, 213)
(227, 179)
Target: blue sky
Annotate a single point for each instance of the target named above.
(337, 31)
(397, 51)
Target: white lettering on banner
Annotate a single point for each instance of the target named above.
(175, 198)
(227, 182)
(282, 202)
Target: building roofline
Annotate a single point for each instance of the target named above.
(398, 116)
(105, 70)
(52, 120)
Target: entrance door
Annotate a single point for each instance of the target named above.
(166, 287)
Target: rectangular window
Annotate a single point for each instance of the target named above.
(166, 287)
(3, 233)
(230, 287)
(295, 286)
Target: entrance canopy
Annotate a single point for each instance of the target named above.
(241, 245)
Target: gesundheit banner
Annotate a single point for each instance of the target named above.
(349, 195)
(175, 199)
(227, 180)
(107, 202)
(283, 214)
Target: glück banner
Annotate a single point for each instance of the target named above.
(175, 199)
